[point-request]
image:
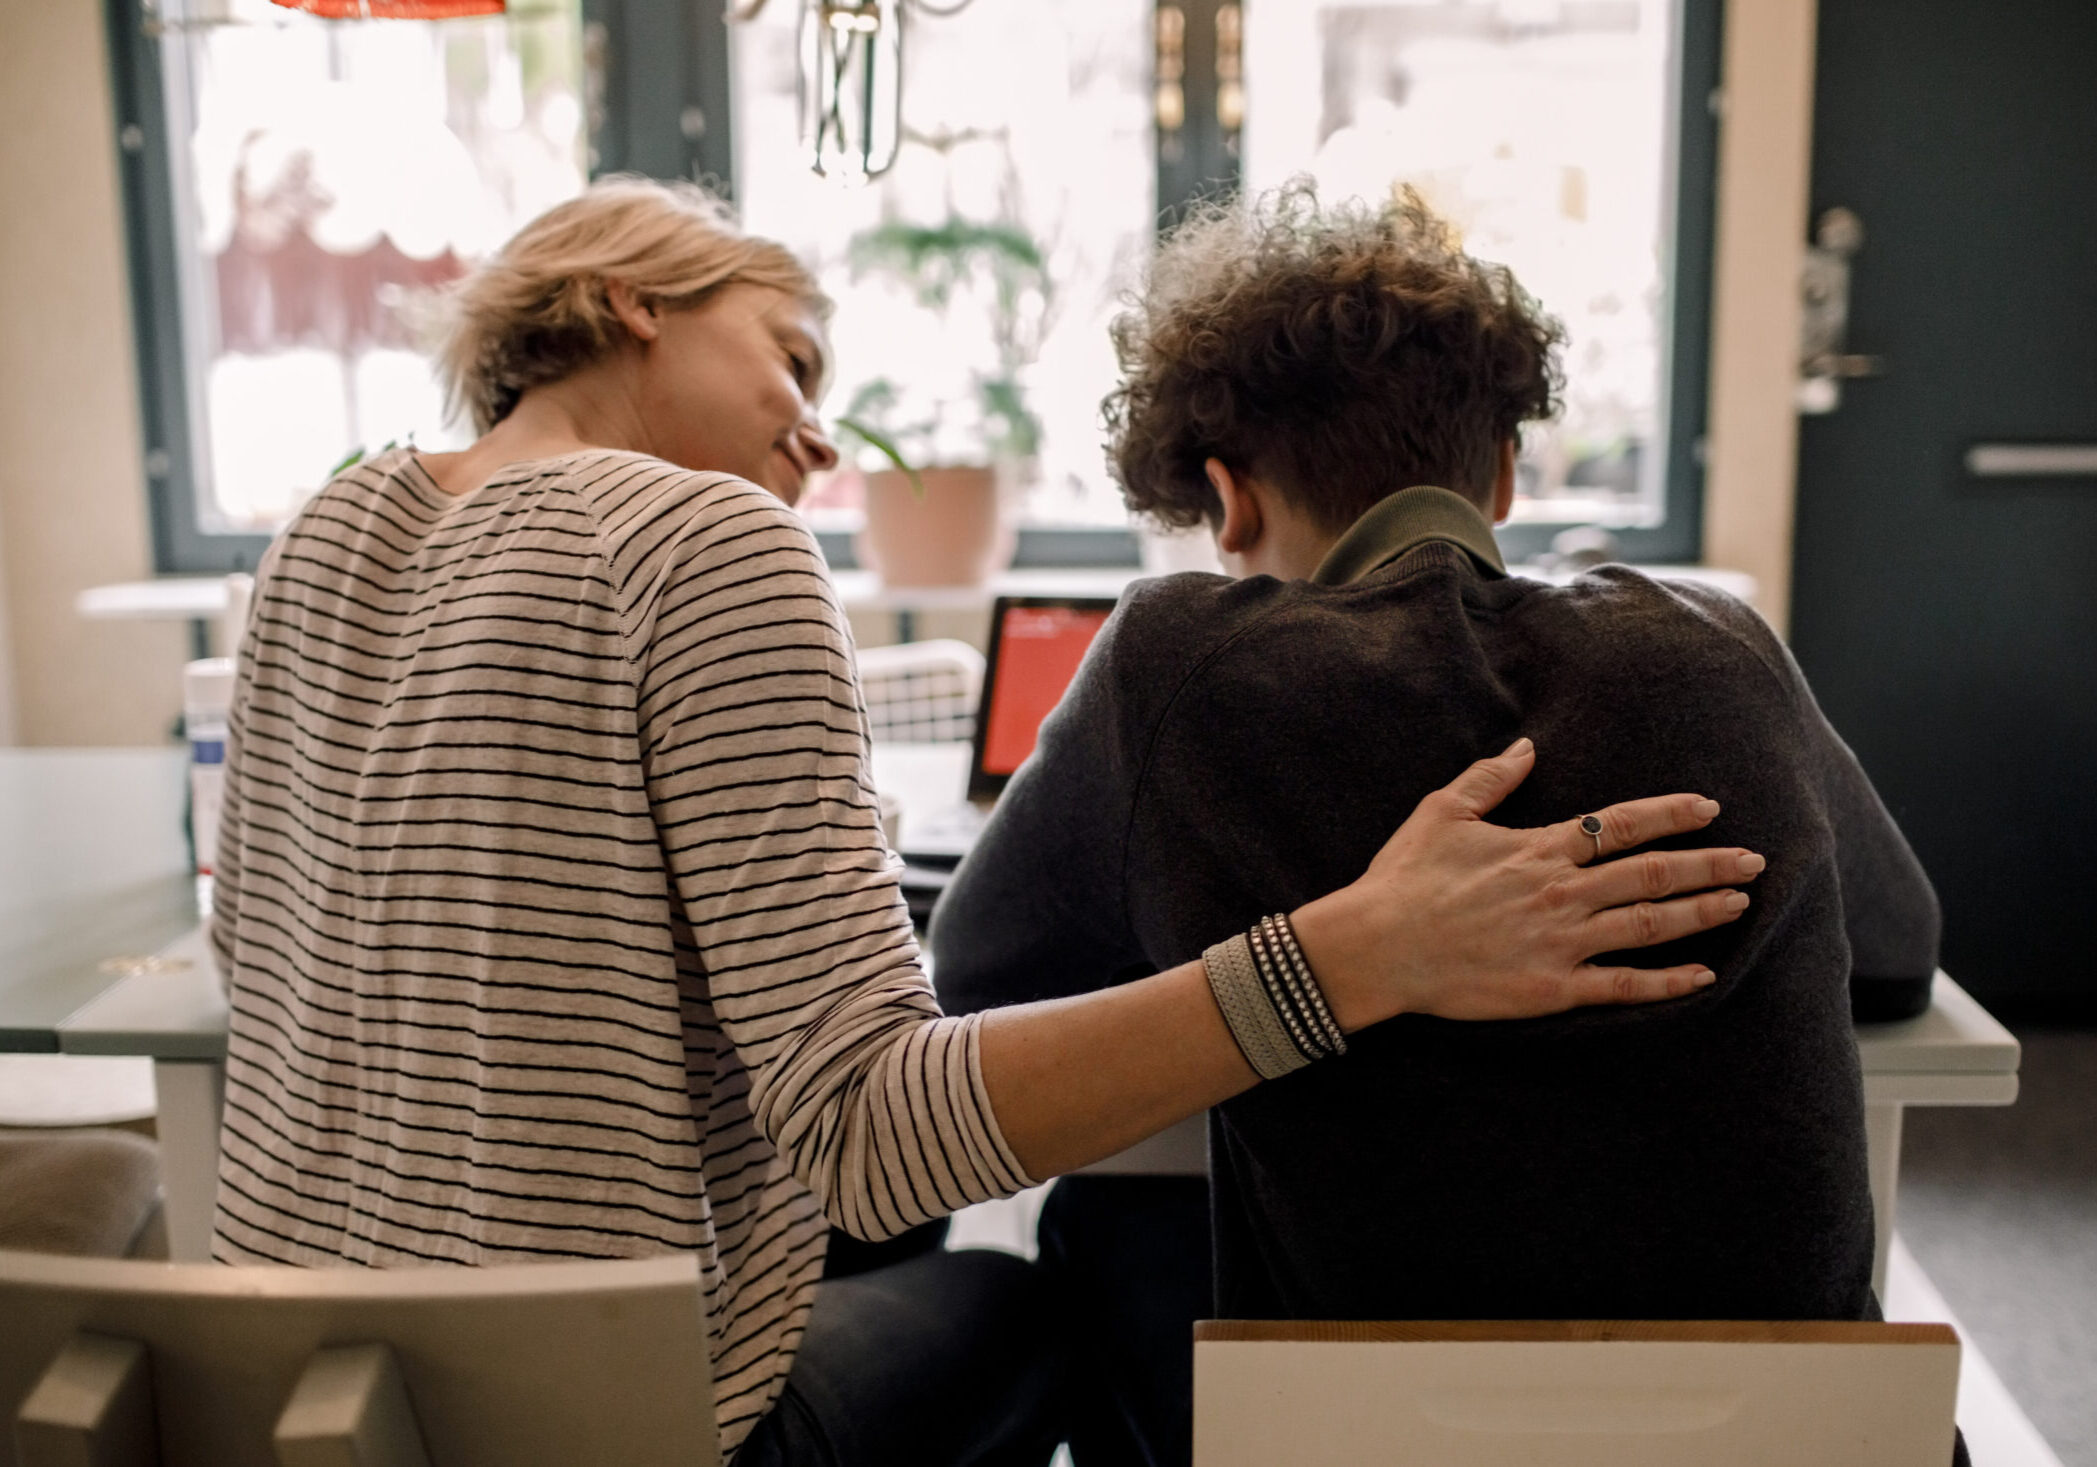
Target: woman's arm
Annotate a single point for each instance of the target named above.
(1455, 917)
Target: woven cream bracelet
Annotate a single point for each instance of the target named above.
(1234, 978)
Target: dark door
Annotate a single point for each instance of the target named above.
(1947, 619)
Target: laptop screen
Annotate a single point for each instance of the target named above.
(1036, 644)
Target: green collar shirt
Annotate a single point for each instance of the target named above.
(1403, 522)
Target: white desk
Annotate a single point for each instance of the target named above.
(1956, 1054)
(1953, 1055)
(175, 1013)
(92, 864)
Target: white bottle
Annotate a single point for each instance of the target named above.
(207, 700)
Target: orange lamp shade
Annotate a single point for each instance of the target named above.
(394, 9)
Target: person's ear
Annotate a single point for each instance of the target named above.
(636, 315)
(1504, 483)
(1242, 523)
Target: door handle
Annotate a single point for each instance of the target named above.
(2032, 460)
(1844, 364)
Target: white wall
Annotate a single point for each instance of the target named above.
(72, 499)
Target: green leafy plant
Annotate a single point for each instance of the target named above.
(876, 398)
(995, 266)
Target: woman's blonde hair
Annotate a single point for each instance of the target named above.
(537, 311)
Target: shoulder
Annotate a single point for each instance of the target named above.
(1154, 653)
(660, 525)
(640, 502)
(1671, 613)
(366, 495)
(1177, 623)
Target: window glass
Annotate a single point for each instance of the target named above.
(328, 177)
(1542, 129)
(1026, 131)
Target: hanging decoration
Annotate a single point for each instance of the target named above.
(393, 9)
(851, 80)
(851, 87)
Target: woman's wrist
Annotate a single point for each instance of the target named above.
(1360, 977)
(1271, 999)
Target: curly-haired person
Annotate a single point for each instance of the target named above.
(1338, 394)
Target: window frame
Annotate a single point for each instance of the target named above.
(1691, 171)
(180, 544)
(658, 83)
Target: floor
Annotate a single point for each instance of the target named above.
(1998, 1432)
(1999, 1208)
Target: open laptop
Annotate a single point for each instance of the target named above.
(1036, 644)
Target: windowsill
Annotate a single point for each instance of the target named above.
(861, 590)
(164, 598)
(193, 598)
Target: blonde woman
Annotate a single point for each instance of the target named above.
(556, 914)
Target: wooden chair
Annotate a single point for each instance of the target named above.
(1573, 1394)
(119, 1363)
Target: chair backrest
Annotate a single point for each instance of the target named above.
(922, 692)
(1574, 1394)
(543, 1365)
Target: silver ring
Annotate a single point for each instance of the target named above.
(1592, 825)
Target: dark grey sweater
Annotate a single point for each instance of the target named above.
(1231, 749)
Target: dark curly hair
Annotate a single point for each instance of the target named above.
(1339, 352)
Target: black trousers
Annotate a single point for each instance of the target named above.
(1130, 1255)
(939, 1360)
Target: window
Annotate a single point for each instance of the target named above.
(296, 187)
(1545, 131)
(322, 179)
(1026, 131)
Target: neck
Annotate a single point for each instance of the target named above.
(1290, 548)
(593, 408)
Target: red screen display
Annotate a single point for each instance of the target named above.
(1039, 649)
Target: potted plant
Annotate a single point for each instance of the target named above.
(946, 441)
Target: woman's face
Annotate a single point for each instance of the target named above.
(732, 385)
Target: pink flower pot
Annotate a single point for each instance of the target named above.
(957, 534)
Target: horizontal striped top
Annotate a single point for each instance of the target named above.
(554, 905)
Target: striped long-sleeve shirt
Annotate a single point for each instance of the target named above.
(554, 908)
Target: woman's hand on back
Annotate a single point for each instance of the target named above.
(1455, 916)
(1465, 919)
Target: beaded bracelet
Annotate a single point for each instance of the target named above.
(1271, 999)
(1307, 983)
